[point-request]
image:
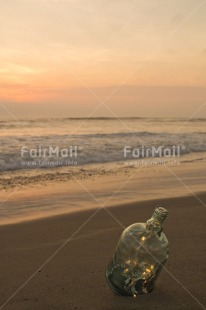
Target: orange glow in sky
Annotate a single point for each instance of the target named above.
(62, 57)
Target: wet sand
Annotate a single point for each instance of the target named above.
(97, 186)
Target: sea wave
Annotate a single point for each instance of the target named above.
(99, 140)
(92, 148)
(41, 122)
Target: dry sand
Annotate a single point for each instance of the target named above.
(74, 277)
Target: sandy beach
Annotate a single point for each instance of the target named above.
(102, 122)
(60, 261)
(59, 228)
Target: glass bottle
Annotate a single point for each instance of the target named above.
(139, 256)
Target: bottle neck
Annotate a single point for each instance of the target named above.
(157, 219)
(160, 214)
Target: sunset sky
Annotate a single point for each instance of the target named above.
(64, 57)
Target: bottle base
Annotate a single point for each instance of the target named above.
(116, 290)
(140, 288)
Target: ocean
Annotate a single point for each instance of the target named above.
(96, 141)
(34, 185)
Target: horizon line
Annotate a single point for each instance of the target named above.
(101, 118)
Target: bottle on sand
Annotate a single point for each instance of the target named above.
(139, 256)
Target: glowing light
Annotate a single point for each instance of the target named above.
(134, 262)
(143, 238)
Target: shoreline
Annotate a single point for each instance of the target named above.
(111, 188)
(23, 178)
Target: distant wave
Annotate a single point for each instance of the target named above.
(43, 120)
(129, 134)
